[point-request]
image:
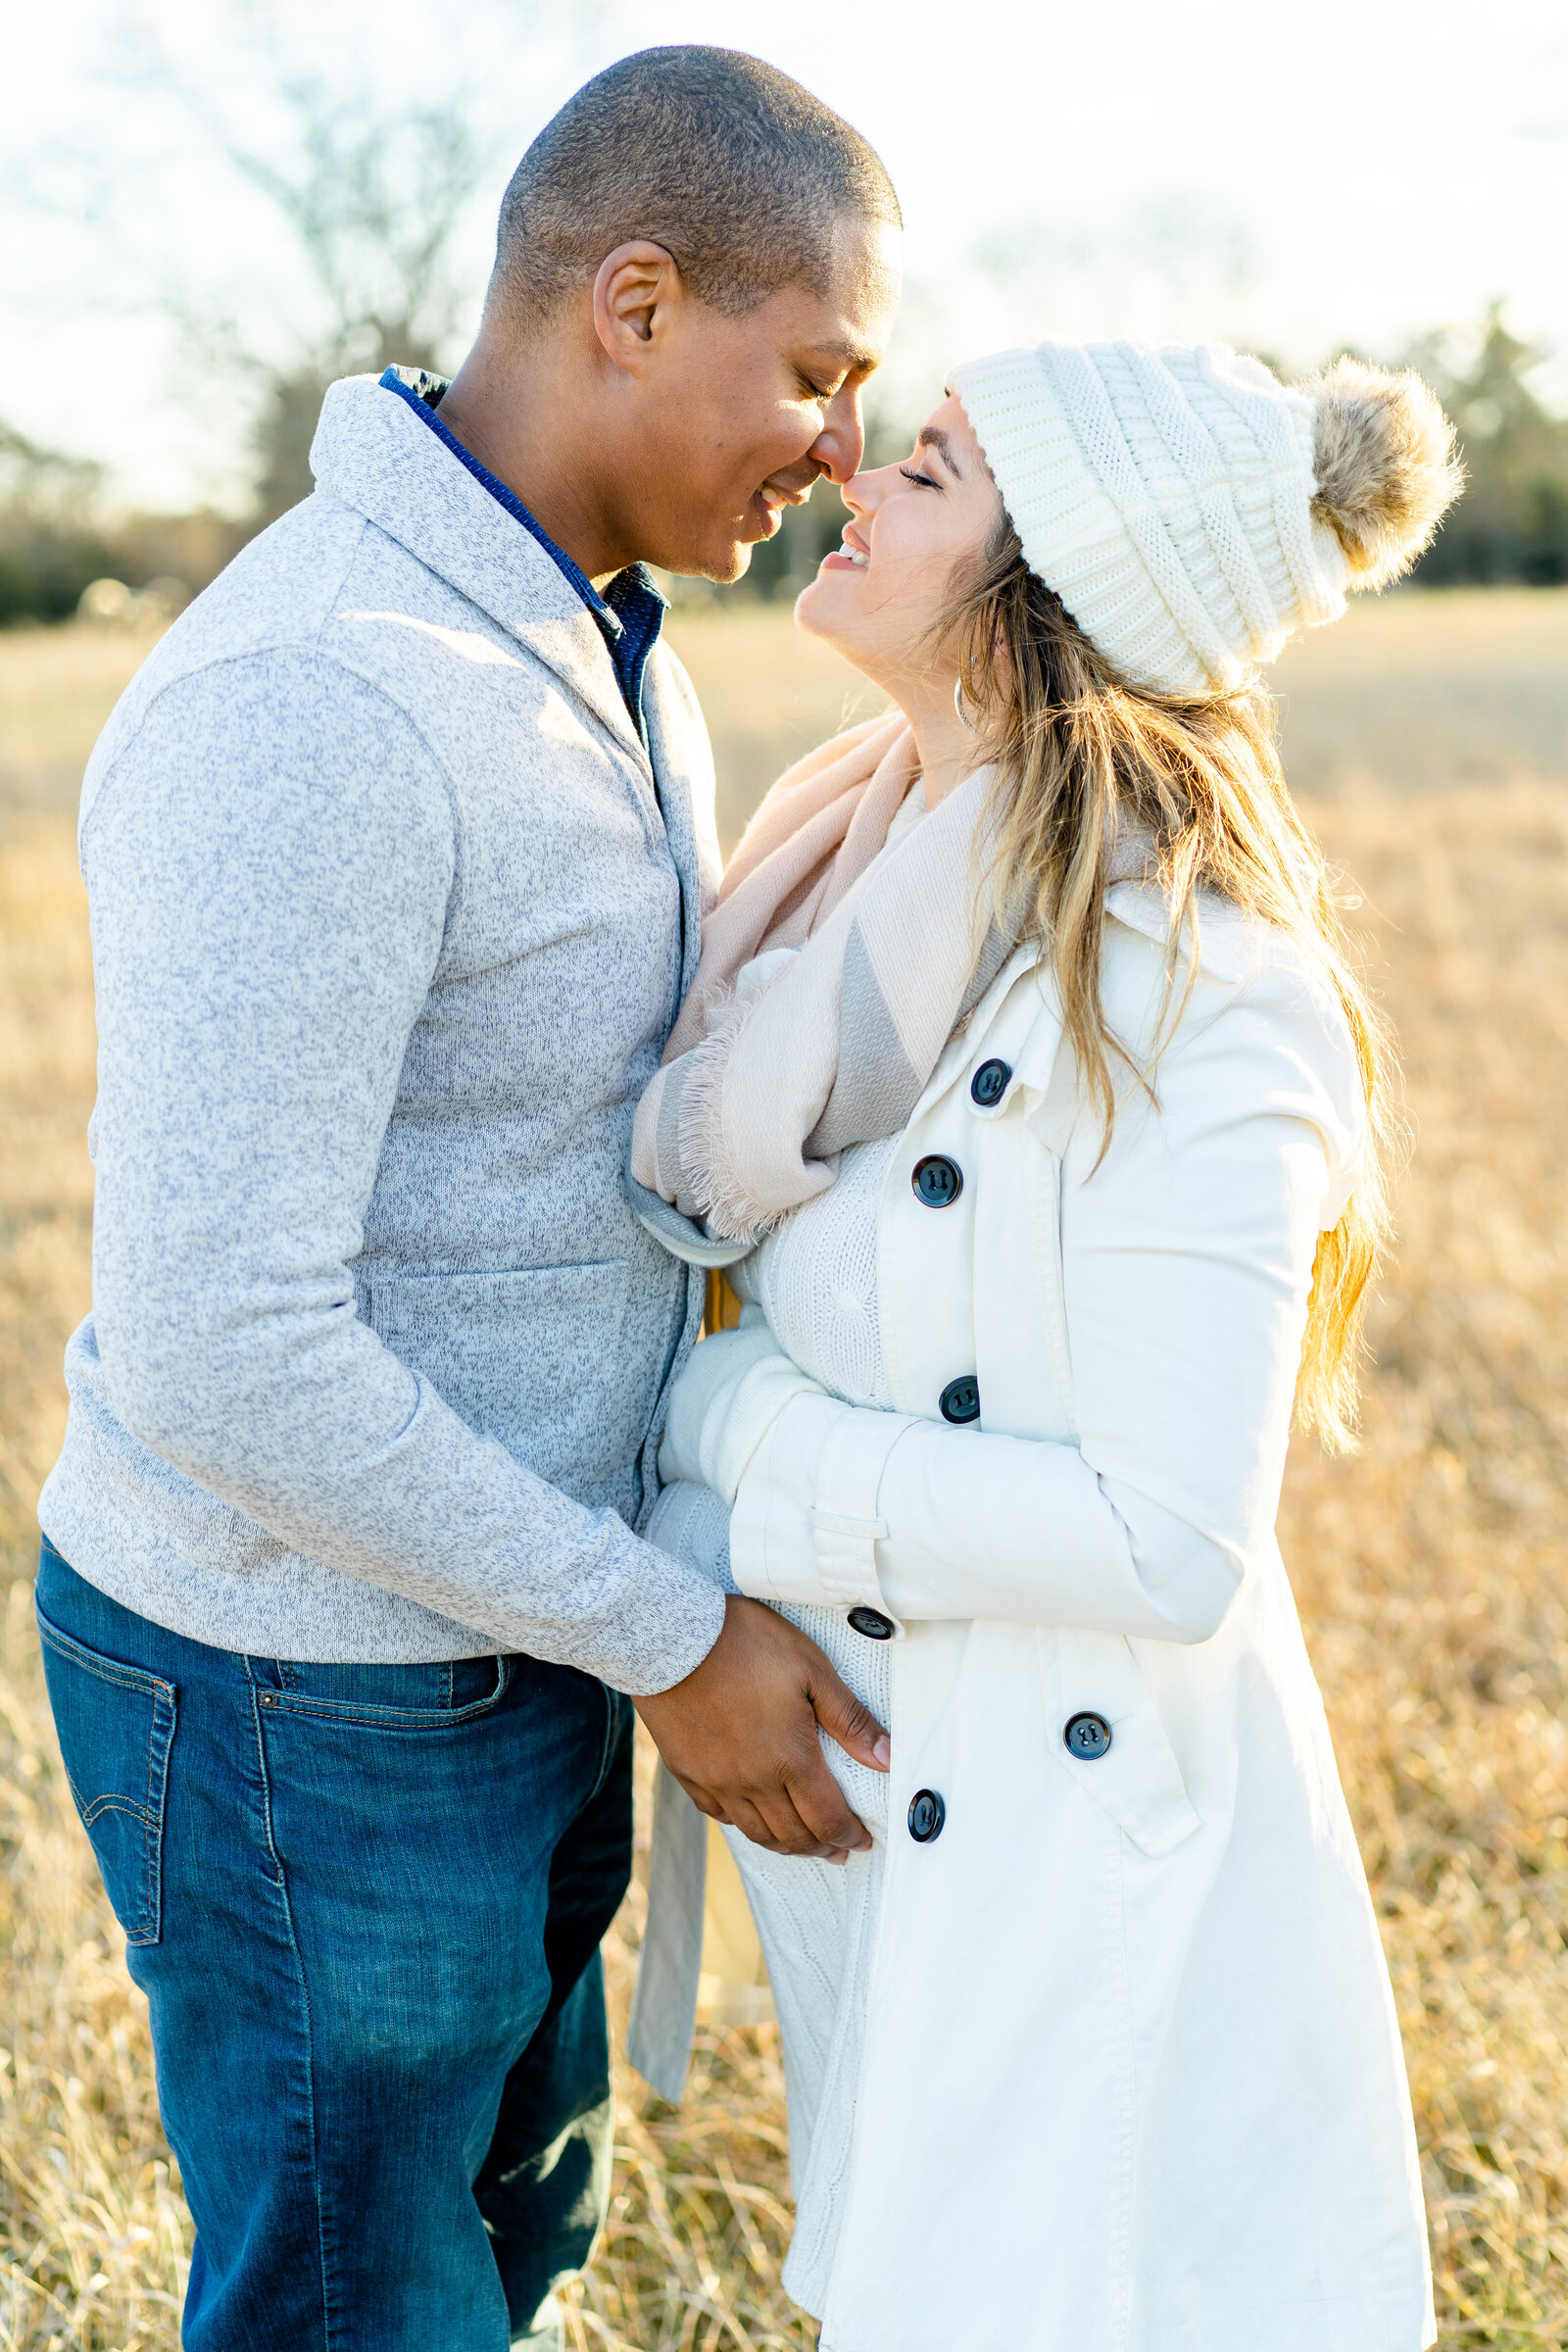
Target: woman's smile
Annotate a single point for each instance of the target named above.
(851, 555)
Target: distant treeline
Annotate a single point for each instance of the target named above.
(1511, 524)
(54, 544)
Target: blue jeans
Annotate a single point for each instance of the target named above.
(364, 1904)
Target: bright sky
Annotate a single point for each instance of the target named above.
(1293, 178)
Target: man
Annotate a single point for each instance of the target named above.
(396, 850)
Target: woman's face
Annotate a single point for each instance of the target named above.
(915, 529)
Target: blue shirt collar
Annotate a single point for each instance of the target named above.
(630, 613)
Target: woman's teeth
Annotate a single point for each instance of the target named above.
(854, 555)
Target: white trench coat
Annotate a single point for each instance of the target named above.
(1132, 2076)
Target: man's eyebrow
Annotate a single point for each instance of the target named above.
(854, 358)
(932, 436)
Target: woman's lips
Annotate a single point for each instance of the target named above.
(844, 559)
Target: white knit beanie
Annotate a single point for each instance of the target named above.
(1172, 498)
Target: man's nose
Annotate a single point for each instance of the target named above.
(841, 444)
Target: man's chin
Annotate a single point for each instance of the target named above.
(724, 562)
(726, 569)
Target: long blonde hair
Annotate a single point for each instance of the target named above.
(1084, 761)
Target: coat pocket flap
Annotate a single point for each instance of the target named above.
(1136, 1777)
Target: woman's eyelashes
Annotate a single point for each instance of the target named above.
(913, 474)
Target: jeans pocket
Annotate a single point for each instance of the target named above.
(389, 1699)
(116, 1726)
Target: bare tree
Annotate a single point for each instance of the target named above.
(371, 199)
(351, 189)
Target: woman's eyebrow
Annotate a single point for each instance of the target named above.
(932, 436)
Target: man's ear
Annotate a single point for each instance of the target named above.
(637, 288)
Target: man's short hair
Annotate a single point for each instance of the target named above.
(738, 173)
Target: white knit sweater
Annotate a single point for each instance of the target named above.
(814, 1278)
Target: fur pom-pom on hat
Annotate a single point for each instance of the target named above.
(1191, 511)
(1387, 473)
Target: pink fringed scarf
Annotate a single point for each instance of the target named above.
(758, 1094)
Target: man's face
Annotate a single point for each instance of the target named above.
(739, 416)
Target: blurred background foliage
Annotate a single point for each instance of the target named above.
(56, 536)
(369, 197)
(1512, 522)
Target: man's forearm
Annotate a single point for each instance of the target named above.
(340, 1452)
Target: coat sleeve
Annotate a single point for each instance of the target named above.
(1186, 1262)
(269, 866)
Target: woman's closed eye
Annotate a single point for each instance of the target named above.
(913, 474)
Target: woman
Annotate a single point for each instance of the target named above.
(1027, 1073)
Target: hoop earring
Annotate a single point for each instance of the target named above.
(957, 703)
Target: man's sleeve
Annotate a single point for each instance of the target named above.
(270, 863)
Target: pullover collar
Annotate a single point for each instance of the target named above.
(392, 461)
(631, 611)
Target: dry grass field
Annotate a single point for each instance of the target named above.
(1429, 737)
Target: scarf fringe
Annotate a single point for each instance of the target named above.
(726, 1207)
(848, 1031)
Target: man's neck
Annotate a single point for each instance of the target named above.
(532, 430)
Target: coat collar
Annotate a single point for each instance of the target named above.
(1227, 938)
(372, 452)
(1227, 951)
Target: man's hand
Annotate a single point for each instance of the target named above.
(740, 1735)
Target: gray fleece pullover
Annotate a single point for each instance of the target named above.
(389, 927)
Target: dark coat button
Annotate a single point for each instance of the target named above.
(990, 1083)
(938, 1181)
(927, 1813)
(961, 1399)
(1087, 1737)
(873, 1623)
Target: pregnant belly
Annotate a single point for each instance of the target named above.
(867, 1668)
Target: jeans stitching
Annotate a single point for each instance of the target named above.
(166, 1725)
(111, 1804)
(148, 1915)
(305, 2003)
(108, 1670)
(608, 1743)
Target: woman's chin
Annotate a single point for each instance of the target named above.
(820, 610)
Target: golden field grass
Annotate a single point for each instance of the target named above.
(1429, 737)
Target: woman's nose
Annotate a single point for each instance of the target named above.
(864, 492)
(853, 493)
